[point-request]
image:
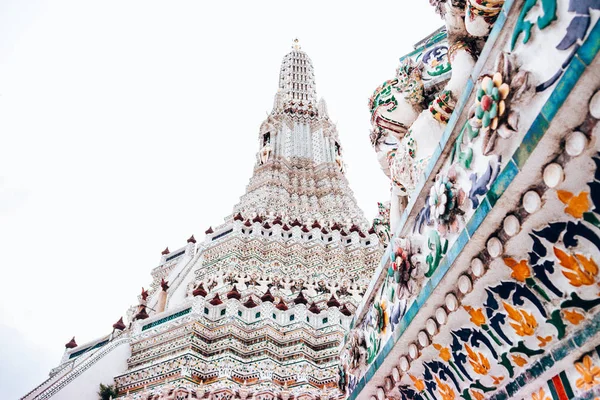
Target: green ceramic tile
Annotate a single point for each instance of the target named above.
(478, 216)
(580, 338)
(530, 141)
(563, 88)
(563, 349)
(424, 293)
(504, 179)
(507, 6)
(553, 390)
(536, 370)
(566, 384)
(455, 250)
(434, 157)
(501, 395)
(590, 47)
(512, 388)
(547, 362)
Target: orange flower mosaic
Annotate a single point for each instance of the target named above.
(590, 373)
(520, 361)
(544, 340)
(575, 205)
(540, 395)
(444, 352)
(479, 362)
(476, 314)
(446, 392)
(419, 384)
(524, 323)
(520, 269)
(579, 270)
(573, 316)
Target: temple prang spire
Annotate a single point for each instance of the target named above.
(276, 269)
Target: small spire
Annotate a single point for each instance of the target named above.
(332, 302)
(192, 239)
(300, 299)
(314, 308)
(165, 251)
(72, 344)
(164, 284)
(250, 303)
(234, 293)
(344, 310)
(296, 44)
(143, 314)
(216, 300)
(200, 291)
(144, 294)
(119, 325)
(268, 296)
(281, 306)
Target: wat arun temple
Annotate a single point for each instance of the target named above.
(478, 279)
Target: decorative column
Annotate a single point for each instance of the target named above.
(162, 296)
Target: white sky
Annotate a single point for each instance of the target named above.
(126, 126)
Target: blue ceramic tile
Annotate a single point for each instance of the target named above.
(501, 395)
(503, 180)
(591, 46)
(561, 351)
(434, 157)
(389, 345)
(462, 101)
(581, 337)
(456, 248)
(439, 273)
(400, 328)
(477, 218)
(359, 387)
(369, 374)
(530, 141)
(563, 88)
(424, 294)
(411, 312)
(402, 220)
(595, 322)
(536, 370)
(512, 388)
(498, 25)
(547, 362)
(507, 6)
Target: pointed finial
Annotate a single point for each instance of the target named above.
(296, 45)
(72, 344)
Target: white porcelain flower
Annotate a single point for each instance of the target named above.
(438, 197)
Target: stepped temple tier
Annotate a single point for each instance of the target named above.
(260, 307)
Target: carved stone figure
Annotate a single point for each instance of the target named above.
(381, 223)
(406, 130)
(354, 354)
(265, 152)
(407, 265)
